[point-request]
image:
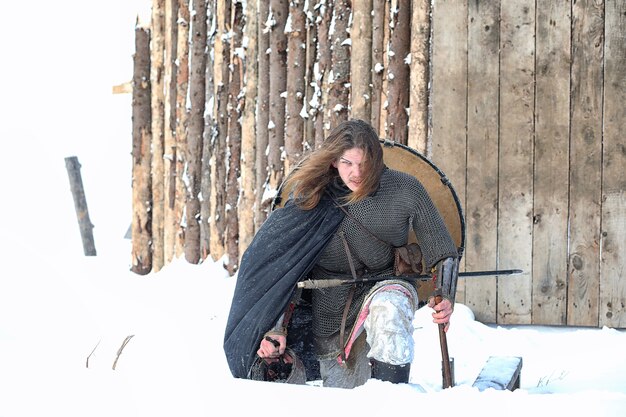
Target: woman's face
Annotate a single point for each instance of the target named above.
(350, 167)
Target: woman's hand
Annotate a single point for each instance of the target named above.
(272, 346)
(442, 312)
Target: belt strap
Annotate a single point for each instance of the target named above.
(344, 317)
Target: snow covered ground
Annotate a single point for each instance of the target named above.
(64, 317)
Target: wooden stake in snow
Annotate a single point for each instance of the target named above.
(121, 349)
(80, 203)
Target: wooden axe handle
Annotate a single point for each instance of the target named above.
(445, 357)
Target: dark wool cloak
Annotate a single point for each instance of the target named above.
(283, 251)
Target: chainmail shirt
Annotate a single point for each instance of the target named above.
(400, 203)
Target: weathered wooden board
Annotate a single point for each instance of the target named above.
(517, 62)
(549, 302)
(449, 96)
(500, 373)
(613, 259)
(585, 163)
(482, 156)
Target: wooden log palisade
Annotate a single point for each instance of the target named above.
(519, 103)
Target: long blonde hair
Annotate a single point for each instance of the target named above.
(311, 176)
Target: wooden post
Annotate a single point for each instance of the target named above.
(338, 95)
(171, 221)
(398, 74)
(247, 200)
(263, 117)
(207, 136)
(182, 122)
(221, 68)
(361, 60)
(323, 15)
(296, 62)
(141, 225)
(80, 203)
(378, 60)
(419, 77)
(279, 10)
(157, 71)
(197, 94)
(236, 95)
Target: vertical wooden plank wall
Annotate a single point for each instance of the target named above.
(481, 217)
(613, 240)
(585, 162)
(544, 188)
(449, 95)
(551, 161)
(517, 56)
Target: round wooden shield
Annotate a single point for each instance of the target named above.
(402, 158)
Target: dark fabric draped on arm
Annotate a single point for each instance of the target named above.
(282, 253)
